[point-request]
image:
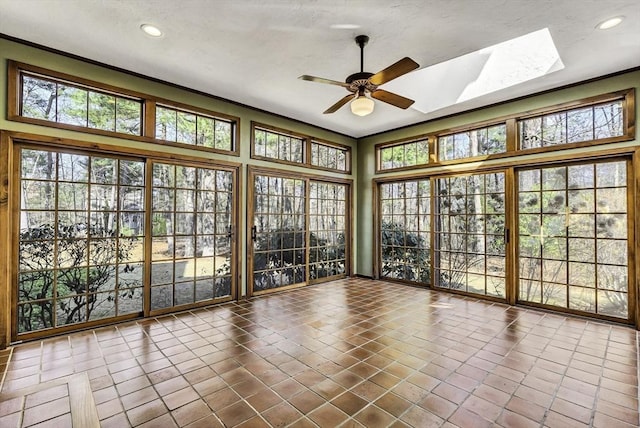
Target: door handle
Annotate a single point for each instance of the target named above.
(254, 231)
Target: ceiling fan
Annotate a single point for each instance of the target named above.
(359, 84)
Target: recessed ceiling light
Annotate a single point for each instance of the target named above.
(610, 23)
(151, 30)
(344, 26)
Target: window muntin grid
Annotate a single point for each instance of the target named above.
(191, 235)
(405, 230)
(573, 237)
(470, 247)
(81, 239)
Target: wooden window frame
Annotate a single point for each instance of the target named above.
(627, 96)
(148, 108)
(307, 141)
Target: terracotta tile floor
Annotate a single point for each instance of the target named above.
(350, 353)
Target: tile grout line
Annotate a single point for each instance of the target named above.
(6, 369)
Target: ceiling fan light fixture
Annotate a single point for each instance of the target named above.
(362, 105)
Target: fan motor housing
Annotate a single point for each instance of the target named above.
(358, 76)
(360, 80)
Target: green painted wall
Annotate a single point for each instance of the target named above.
(366, 151)
(10, 50)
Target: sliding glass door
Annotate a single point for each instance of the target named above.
(469, 223)
(573, 237)
(191, 252)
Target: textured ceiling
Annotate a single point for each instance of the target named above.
(252, 51)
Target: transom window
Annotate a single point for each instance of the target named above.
(589, 123)
(275, 145)
(278, 145)
(66, 103)
(329, 157)
(58, 100)
(607, 118)
(403, 155)
(476, 142)
(182, 126)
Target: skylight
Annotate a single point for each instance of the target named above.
(481, 72)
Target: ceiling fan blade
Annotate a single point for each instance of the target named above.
(391, 98)
(401, 67)
(322, 80)
(339, 104)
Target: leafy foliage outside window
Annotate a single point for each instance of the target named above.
(477, 142)
(61, 102)
(572, 126)
(185, 127)
(275, 145)
(405, 154)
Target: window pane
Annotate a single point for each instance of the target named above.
(72, 105)
(39, 98)
(166, 127)
(186, 128)
(128, 116)
(102, 111)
